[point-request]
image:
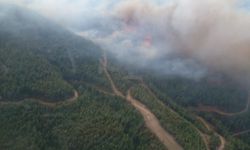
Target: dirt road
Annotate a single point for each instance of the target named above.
(210, 128)
(220, 112)
(68, 101)
(104, 63)
(223, 143)
(203, 136)
(153, 124)
(151, 121)
(45, 103)
(241, 132)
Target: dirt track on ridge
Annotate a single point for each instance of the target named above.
(153, 124)
(151, 121)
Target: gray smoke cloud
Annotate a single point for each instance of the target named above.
(177, 37)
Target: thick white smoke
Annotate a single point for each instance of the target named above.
(212, 32)
(174, 36)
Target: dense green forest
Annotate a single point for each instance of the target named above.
(95, 121)
(184, 127)
(27, 75)
(42, 66)
(39, 58)
(223, 93)
(232, 125)
(184, 132)
(225, 125)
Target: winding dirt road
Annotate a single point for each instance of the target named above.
(210, 128)
(206, 124)
(203, 136)
(48, 104)
(220, 112)
(151, 121)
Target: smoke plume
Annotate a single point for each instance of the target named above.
(182, 37)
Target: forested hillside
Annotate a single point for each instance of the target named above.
(95, 121)
(61, 91)
(221, 92)
(39, 58)
(222, 102)
(54, 94)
